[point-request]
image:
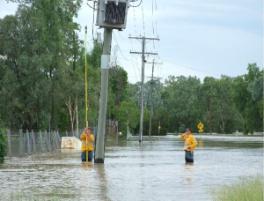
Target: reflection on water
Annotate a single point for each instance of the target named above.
(154, 171)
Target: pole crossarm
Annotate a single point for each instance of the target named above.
(151, 62)
(154, 78)
(142, 37)
(149, 53)
(143, 60)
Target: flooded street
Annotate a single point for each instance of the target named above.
(154, 171)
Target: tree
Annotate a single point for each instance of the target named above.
(218, 104)
(35, 50)
(181, 100)
(153, 91)
(128, 115)
(248, 96)
(118, 88)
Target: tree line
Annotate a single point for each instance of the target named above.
(42, 83)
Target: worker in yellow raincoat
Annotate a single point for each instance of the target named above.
(87, 139)
(190, 144)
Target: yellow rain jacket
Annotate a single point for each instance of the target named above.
(87, 142)
(190, 142)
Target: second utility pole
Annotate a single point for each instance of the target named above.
(151, 93)
(143, 53)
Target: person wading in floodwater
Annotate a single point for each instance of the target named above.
(87, 139)
(189, 145)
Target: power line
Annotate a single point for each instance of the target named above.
(129, 60)
(135, 63)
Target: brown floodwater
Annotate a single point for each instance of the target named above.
(154, 171)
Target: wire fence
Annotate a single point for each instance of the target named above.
(30, 142)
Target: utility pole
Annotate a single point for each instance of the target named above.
(105, 60)
(143, 60)
(110, 15)
(151, 93)
(151, 96)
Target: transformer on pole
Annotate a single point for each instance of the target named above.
(112, 14)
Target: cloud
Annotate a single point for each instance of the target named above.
(7, 8)
(197, 37)
(214, 37)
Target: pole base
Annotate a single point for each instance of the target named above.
(99, 160)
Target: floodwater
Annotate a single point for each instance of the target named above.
(154, 171)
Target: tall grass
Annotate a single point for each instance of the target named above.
(245, 190)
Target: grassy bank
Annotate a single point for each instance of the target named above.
(244, 190)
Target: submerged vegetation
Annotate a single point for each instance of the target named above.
(245, 190)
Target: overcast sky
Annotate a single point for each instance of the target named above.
(197, 37)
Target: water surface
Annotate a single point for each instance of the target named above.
(154, 171)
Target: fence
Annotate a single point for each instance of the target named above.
(27, 143)
(76, 133)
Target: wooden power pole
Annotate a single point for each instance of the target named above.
(151, 94)
(143, 60)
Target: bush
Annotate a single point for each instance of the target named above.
(2, 146)
(245, 190)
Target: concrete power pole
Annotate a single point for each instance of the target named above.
(143, 53)
(105, 61)
(110, 15)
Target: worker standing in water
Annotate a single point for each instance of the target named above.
(189, 145)
(87, 139)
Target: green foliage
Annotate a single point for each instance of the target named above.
(181, 102)
(248, 97)
(245, 190)
(224, 105)
(117, 89)
(93, 83)
(39, 45)
(217, 102)
(2, 145)
(128, 115)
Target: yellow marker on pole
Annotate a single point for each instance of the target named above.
(85, 80)
(86, 88)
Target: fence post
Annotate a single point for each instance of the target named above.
(49, 138)
(33, 141)
(28, 142)
(40, 141)
(9, 153)
(58, 140)
(47, 141)
(54, 142)
(21, 143)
